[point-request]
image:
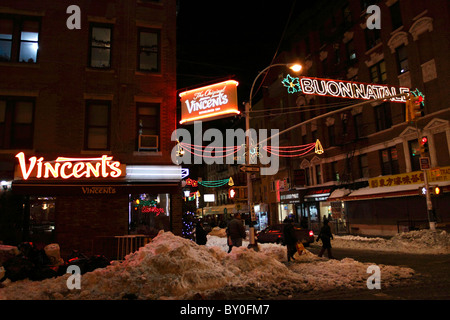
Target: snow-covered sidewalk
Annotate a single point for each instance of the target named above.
(417, 242)
(171, 267)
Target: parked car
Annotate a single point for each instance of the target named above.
(274, 234)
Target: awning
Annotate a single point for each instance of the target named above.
(339, 194)
(318, 194)
(391, 192)
(38, 188)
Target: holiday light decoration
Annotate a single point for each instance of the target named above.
(295, 151)
(210, 184)
(417, 93)
(220, 152)
(293, 84)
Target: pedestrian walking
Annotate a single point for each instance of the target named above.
(290, 240)
(326, 236)
(200, 234)
(235, 232)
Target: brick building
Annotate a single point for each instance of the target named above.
(107, 88)
(371, 144)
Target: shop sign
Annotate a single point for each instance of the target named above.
(415, 177)
(403, 179)
(209, 102)
(65, 168)
(98, 190)
(290, 198)
(351, 90)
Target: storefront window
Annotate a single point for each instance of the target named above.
(149, 214)
(42, 219)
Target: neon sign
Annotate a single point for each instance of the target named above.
(210, 102)
(349, 89)
(65, 168)
(148, 209)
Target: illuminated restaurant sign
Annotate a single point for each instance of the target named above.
(65, 168)
(350, 89)
(210, 102)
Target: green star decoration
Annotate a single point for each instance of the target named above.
(293, 84)
(417, 93)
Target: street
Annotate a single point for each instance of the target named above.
(431, 282)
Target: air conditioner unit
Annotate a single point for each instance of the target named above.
(148, 142)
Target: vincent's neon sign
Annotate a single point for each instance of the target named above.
(66, 168)
(214, 101)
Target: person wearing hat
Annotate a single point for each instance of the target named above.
(325, 235)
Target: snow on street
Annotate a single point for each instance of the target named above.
(171, 267)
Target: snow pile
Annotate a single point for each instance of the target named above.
(218, 232)
(420, 242)
(171, 267)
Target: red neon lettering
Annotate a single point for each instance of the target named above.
(66, 168)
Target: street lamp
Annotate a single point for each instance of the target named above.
(248, 106)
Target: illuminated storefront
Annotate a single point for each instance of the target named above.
(77, 201)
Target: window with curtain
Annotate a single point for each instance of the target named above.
(100, 46)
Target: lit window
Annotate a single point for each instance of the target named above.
(19, 39)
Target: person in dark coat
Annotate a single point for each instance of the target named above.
(235, 232)
(290, 240)
(325, 235)
(200, 234)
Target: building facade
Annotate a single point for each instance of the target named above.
(92, 84)
(367, 181)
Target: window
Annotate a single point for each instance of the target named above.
(425, 47)
(334, 172)
(16, 123)
(389, 161)
(318, 174)
(148, 122)
(100, 44)
(383, 116)
(363, 166)
(373, 37)
(331, 136)
(347, 17)
(149, 51)
(414, 154)
(402, 59)
(396, 15)
(378, 72)
(357, 118)
(308, 176)
(19, 39)
(351, 53)
(97, 135)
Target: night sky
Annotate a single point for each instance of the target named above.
(229, 39)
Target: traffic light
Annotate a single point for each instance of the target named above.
(436, 191)
(415, 105)
(232, 193)
(423, 143)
